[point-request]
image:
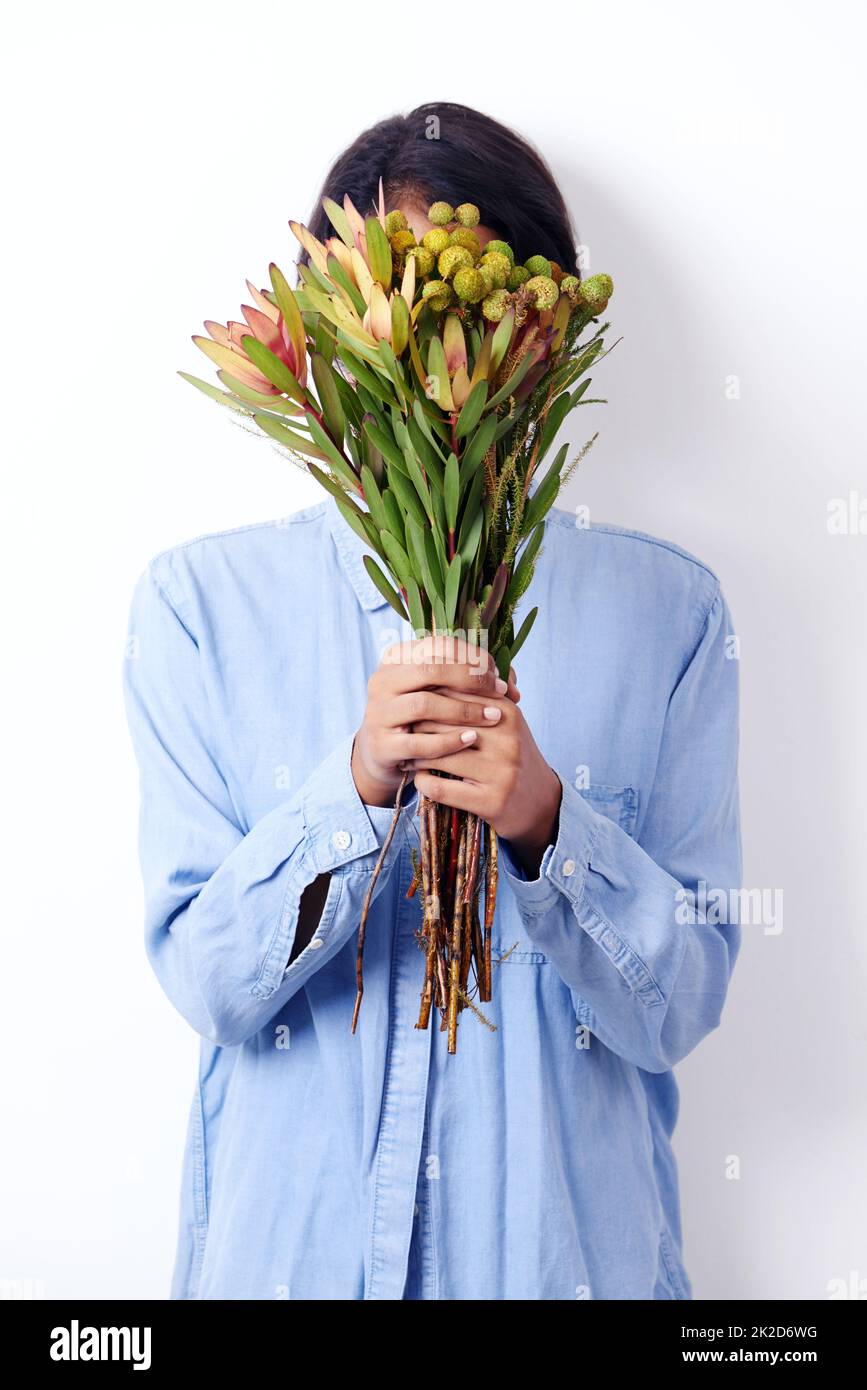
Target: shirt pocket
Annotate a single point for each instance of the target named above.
(618, 804)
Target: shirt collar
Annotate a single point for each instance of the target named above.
(351, 548)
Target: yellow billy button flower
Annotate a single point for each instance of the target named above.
(436, 240)
(517, 276)
(437, 294)
(539, 265)
(395, 222)
(467, 214)
(462, 236)
(502, 248)
(544, 291)
(452, 259)
(424, 260)
(495, 305)
(401, 241)
(596, 292)
(440, 214)
(469, 284)
(570, 285)
(497, 265)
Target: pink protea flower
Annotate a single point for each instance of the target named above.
(264, 322)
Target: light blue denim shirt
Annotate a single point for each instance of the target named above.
(535, 1163)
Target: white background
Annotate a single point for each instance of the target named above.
(713, 158)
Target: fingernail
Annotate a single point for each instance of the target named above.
(491, 712)
(500, 686)
(469, 735)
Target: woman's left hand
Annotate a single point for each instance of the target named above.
(503, 778)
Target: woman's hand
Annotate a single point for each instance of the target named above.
(503, 778)
(410, 714)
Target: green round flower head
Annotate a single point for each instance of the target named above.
(503, 248)
(543, 290)
(402, 241)
(440, 214)
(498, 265)
(488, 276)
(462, 236)
(424, 260)
(469, 284)
(395, 222)
(596, 292)
(467, 214)
(437, 294)
(495, 305)
(436, 240)
(452, 259)
(570, 284)
(517, 277)
(539, 265)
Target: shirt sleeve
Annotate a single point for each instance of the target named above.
(222, 905)
(626, 922)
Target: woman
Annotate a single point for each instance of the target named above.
(274, 703)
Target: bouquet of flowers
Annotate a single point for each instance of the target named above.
(423, 384)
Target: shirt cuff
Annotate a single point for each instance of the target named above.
(339, 826)
(564, 865)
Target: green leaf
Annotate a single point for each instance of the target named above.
(357, 520)
(332, 453)
(418, 552)
(378, 252)
(436, 560)
(382, 584)
(417, 479)
(438, 371)
(503, 660)
(366, 376)
(340, 277)
(270, 366)
(523, 572)
(453, 584)
(501, 340)
(339, 221)
(385, 444)
(554, 419)
(452, 491)
(393, 515)
(469, 542)
(477, 448)
(543, 499)
(329, 397)
(407, 497)
(397, 557)
(416, 609)
(373, 498)
(428, 452)
(513, 383)
(215, 394)
(392, 366)
(290, 439)
(524, 631)
(323, 339)
(399, 324)
(471, 412)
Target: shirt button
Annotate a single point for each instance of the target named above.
(316, 943)
(341, 839)
(569, 868)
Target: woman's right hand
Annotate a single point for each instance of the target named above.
(422, 680)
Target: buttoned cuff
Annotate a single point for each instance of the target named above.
(342, 837)
(564, 866)
(339, 826)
